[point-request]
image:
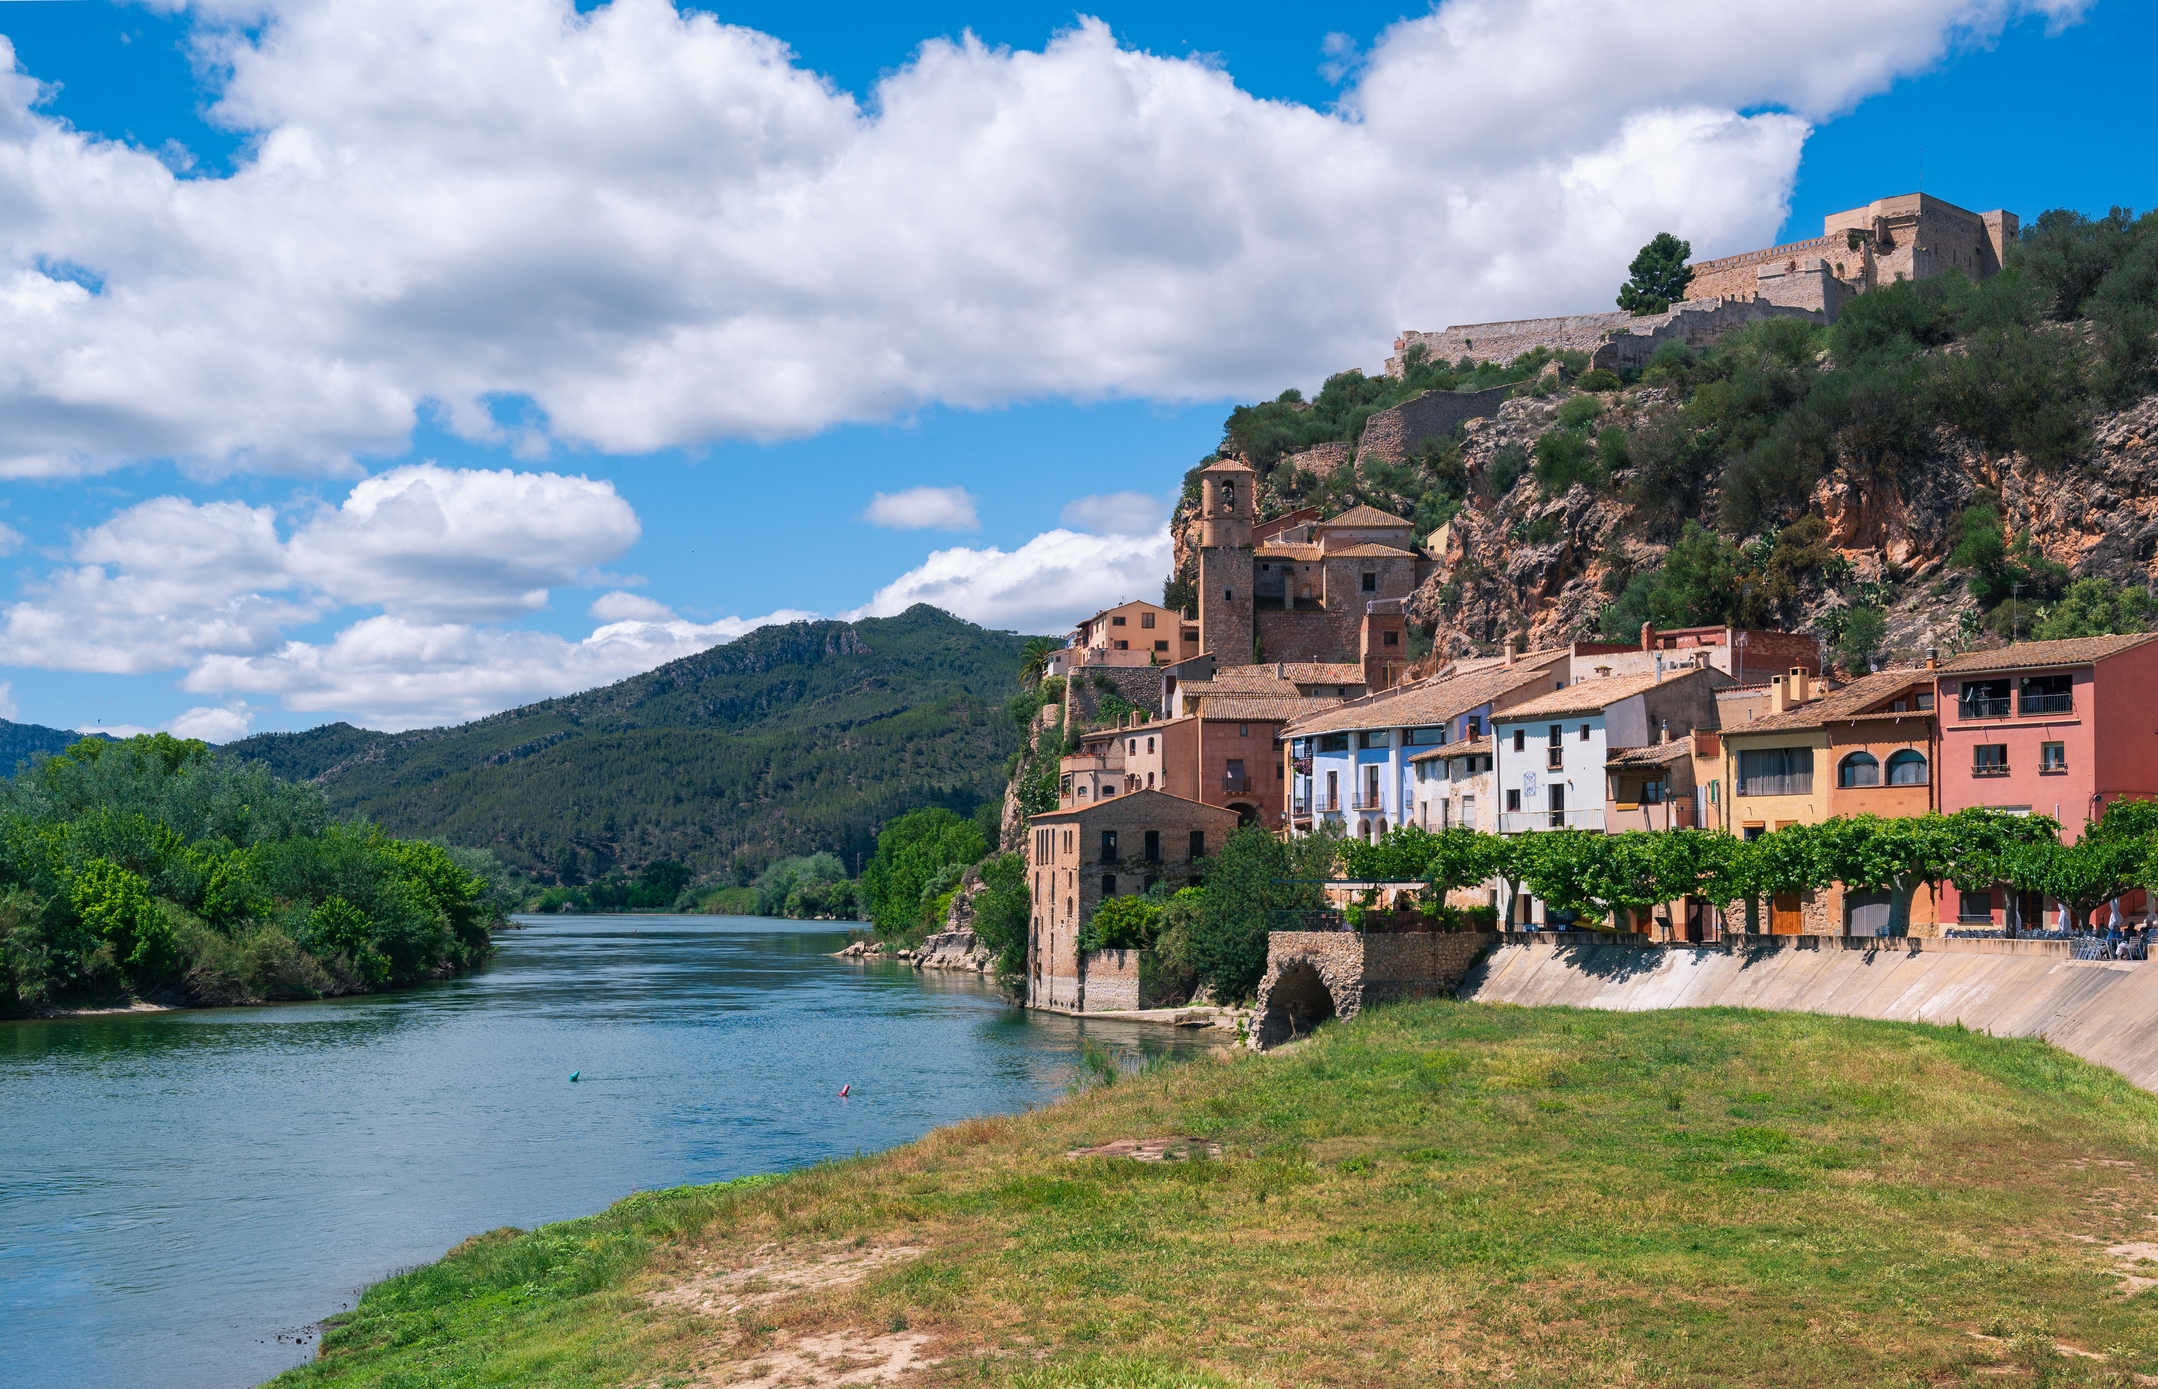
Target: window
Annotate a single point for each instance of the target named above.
(1069, 835)
(1907, 768)
(1108, 884)
(1974, 906)
(1652, 793)
(1513, 801)
(1475, 727)
(1557, 796)
(1333, 742)
(1150, 745)
(1521, 740)
(1898, 706)
(1146, 620)
(2052, 757)
(1754, 832)
(1122, 645)
(1925, 702)
(1198, 845)
(2046, 694)
(1393, 638)
(1131, 746)
(1776, 772)
(1468, 812)
(1371, 583)
(1243, 730)
(1153, 846)
(1989, 759)
(1584, 733)
(1108, 846)
(1983, 699)
(1228, 595)
(1234, 778)
(1116, 622)
(1333, 790)
(1376, 738)
(1423, 737)
(1162, 645)
(1859, 769)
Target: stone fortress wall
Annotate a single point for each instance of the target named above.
(1909, 237)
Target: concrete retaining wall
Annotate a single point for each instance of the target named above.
(2106, 1012)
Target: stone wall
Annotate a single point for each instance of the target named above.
(1356, 970)
(1393, 436)
(1309, 634)
(1110, 981)
(1502, 342)
(1139, 686)
(1697, 323)
(1617, 340)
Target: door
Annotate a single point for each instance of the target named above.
(1783, 918)
(1696, 920)
(1865, 913)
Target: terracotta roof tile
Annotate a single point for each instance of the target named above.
(1466, 747)
(2033, 655)
(1368, 518)
(1369, 552)
(1285, 551)
(1246, 708)
(1846, 703)
(1430, 701)
(1654, 755)
(1587, 696)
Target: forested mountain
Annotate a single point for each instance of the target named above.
(19, 742)
(792, 739)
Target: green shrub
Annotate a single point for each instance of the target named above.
(1122, 923)
(1599, 379)
(1579, 411)
(1564, 458)
(1505, 468)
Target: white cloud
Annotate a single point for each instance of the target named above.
(924, 509)
(1117, 513)
(1045, 585)
(8, 709)
(167, 581)
(621, 607)
(11, 540)
(398, 674)
(597, 217)
(213, 725)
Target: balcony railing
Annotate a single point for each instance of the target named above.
(1983, 708)
(1235, 784)
(1517, 821)
(1555, 760)
(1364, 801)
(1990, 769)
(2061, 703)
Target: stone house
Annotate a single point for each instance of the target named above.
(1078, 858)
(1129, 634)
(1451, 784)
(1309, 599)
(2021, 730)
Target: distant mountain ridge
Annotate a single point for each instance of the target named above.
(790, 739)
(20, 742)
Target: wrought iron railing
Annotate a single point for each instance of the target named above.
(1983, 708)
(2061, 703)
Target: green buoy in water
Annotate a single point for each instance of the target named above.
(573, 1076)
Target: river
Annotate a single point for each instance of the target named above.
(183, 1195)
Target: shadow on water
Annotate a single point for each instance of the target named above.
(196, 1189)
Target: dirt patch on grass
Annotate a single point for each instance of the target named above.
(835, 1358)
(774, 1273)
(1172, 1149)
(2134, 1264)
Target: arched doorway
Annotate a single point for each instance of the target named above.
(1298, 1002)
(1245, 814)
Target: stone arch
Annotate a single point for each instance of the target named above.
(1298, 994)
(1245, 814)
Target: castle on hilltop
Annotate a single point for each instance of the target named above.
(1910, 237)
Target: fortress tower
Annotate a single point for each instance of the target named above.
(1227, 508)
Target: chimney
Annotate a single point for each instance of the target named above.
(1779, 698)
(1799, 693)
(1933, 658)
(1513, 651)
(1281, 670)
(1648, 636)
(1659, 667)
(1663, 733)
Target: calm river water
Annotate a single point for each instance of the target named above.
(183, 1195)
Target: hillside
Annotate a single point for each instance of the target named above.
(19, 742)
(1950, 465)
(1435, 1193)
(792, 739)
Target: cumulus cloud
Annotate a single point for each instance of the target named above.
(622, 607)
(8, 709)
(224, 724)
(403, 674)
(924, 509)
(597, 216)
(1117, 513)
(11, 540)
(1044, 585)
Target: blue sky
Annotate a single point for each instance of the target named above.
(727, 526)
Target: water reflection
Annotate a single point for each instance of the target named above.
(184, 1189)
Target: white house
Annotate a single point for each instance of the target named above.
(1550, 752)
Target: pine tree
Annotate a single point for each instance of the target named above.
(1659, 276)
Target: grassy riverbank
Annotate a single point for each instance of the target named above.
(1439, 1191)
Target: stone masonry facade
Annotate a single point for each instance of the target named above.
(1356, 969)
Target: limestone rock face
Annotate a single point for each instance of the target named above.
(954, 950)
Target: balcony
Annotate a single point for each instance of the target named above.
(1992, 769)
(1519, 821)
(1555, 759)
(1235, 783)
(2063, 702)
(1984, 708)
(1367, 801)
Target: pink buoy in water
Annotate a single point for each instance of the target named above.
(845, 1088)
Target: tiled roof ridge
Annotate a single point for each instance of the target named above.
(2066, 651)
(1364, 514)
(1847, 702)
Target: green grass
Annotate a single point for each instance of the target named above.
(1434, 1192)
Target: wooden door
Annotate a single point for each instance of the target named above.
(1783, 916)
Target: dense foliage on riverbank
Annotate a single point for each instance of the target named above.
(791, 740)
(1431, 1193)
(154, 867)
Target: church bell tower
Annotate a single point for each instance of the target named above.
(1228, 505)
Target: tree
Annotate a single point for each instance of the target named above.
(911, 852)
(2096, 608)
(114, 905)
(1122, 923)
(1659, 276)
(1002, 910)
(1227, 945)
(1034, 660)
(1863, 632)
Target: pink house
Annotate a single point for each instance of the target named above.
(2056, 728)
